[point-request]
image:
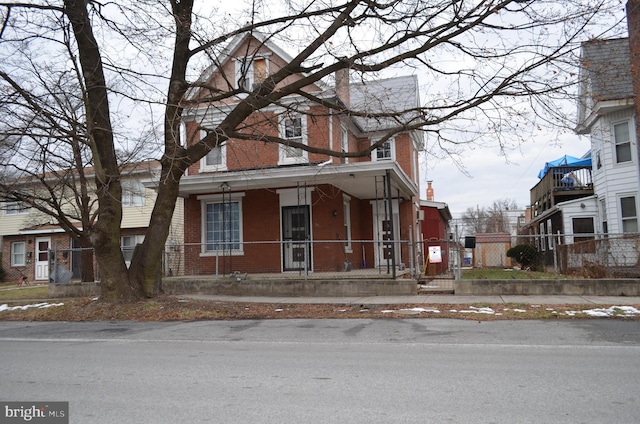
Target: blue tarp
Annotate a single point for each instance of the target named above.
(565, 160)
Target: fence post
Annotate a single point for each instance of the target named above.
(411, 250)
(555, 254)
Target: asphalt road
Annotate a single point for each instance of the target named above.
(329, 371)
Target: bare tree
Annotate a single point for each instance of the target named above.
(493, 219)
(474, 220)
(484, 61)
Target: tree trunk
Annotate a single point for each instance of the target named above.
(87, 273)
(105, 236)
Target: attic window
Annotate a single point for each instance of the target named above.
(250, 72)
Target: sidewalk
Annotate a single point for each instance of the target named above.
(429, 300)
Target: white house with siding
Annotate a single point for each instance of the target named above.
(606, 115)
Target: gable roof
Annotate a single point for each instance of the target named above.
(383, 96)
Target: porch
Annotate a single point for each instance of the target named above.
(559, 184)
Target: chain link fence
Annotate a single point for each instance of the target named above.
(581, 255)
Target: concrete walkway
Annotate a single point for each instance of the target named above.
(428, 300)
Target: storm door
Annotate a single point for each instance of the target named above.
(295, 236)
(43, 244)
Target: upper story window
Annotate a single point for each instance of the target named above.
(386, 151)
(132, 193)
(622, 137)
(344, 143)
(629, 214)
(251, 71)
(293, 128)
(15, 208)
(216, 159)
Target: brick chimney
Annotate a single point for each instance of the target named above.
(429, 191)
(342, 85)
(633, 24)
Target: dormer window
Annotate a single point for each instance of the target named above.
(251, 72)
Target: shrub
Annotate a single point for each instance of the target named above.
(526, 255)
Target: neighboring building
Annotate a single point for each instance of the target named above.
(256, 206)
(561, 203)
(29, 235)
(606, 114)
(491, 250)
(435, 228)
(583, 199)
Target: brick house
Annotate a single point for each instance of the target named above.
(264, 207)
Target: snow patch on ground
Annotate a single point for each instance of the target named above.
(5, 307)
(618, 311)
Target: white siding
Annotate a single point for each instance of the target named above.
(613, 179)
(574, 209)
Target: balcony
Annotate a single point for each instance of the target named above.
(559, 184)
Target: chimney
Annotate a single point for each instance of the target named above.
(633, 24)
(342, 85)
(429, 191)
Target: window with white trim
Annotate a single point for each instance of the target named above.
(346, 206)
(222, 226)
(216, 159)
(622, 138)
(386, 151)
(293, 128)
(344, 143)
(132, 193)
(251, 71)
(127, 245)
(18, 253)
(15, 208)
(629, 214)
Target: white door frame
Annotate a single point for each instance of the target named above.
(379, 215)
(43, 244)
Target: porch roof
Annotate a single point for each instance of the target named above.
(355, 179)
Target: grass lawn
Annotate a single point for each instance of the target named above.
(508, 274)
(11, 292)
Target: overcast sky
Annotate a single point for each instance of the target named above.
(492, 177)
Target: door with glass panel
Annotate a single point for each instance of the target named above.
(295, 236)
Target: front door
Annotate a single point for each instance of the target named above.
(384, 246)
(43, 245)
(296, 247)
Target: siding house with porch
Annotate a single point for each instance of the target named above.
(253, 206)
(601, 199)
(29, 236)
